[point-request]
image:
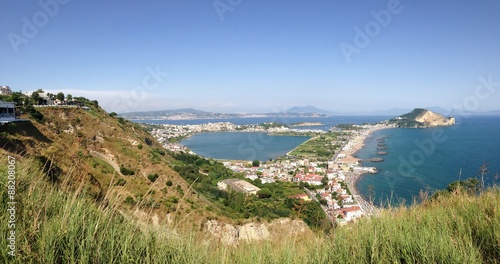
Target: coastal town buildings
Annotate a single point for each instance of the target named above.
(332, 182)
(238, 185)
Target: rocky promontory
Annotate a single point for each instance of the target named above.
(421, 118)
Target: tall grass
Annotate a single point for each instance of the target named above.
(59, 226)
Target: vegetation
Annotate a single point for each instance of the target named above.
(54, 227)
(348, 127)
(271, 203)
(153, 177)
(73, 207)
(321, 147)
(125, 171)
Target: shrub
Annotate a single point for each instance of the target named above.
(153, 177)
(129, 200)
(125, 171)
(139, 146)
(264, 193)
(120, 182)
(169, 183)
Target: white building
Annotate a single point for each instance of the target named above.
(7, 111)
(5, 90)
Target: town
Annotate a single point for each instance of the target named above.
(329, 182)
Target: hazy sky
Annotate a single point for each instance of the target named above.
(258, 56)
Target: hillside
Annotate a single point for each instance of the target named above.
(57, 226)
(94, 188)
(116, 161)
(106, 157)
(421, 118)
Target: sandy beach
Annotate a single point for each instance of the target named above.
(352, 178)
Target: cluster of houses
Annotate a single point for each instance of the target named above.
(327, 179)
(340, 204)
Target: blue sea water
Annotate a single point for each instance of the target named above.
(430, 159)
(242, 145)
(418, 159)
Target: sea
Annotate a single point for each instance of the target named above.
(417, 159)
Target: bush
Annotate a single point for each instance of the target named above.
(120, 182)
(264, 193)
(125, 171)
(169, 183)
(35, 114)
(139, 146)
(153, 177)
(129, 200)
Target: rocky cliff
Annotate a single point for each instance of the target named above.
(421, 118)
(233, 234)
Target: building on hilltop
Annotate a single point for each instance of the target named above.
(5, 90)
(238, 186)
(7, 111)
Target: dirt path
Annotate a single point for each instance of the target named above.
(107, 159)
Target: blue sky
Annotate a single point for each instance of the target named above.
(256, 56)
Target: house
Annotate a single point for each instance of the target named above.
(238, 185)
(312, 179)
(326, 196)
(350, 213)
(345, 198)
(267, 180)
(7, 111)
(5, 90)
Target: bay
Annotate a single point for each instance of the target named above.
(242, 145)
(466, 146)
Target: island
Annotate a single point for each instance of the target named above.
(307, 124)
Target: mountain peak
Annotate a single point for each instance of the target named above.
(307, 109)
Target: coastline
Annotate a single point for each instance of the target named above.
(352, 178)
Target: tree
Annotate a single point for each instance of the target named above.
(264, 193)
(16, 97)
(255, 163)
(69, 97)
(35, 98)
(324, 181)
(60, 96)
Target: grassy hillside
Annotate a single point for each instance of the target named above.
(94, 188)
(109, 157)
(56, 226)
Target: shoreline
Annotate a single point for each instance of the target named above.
(352, 178)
